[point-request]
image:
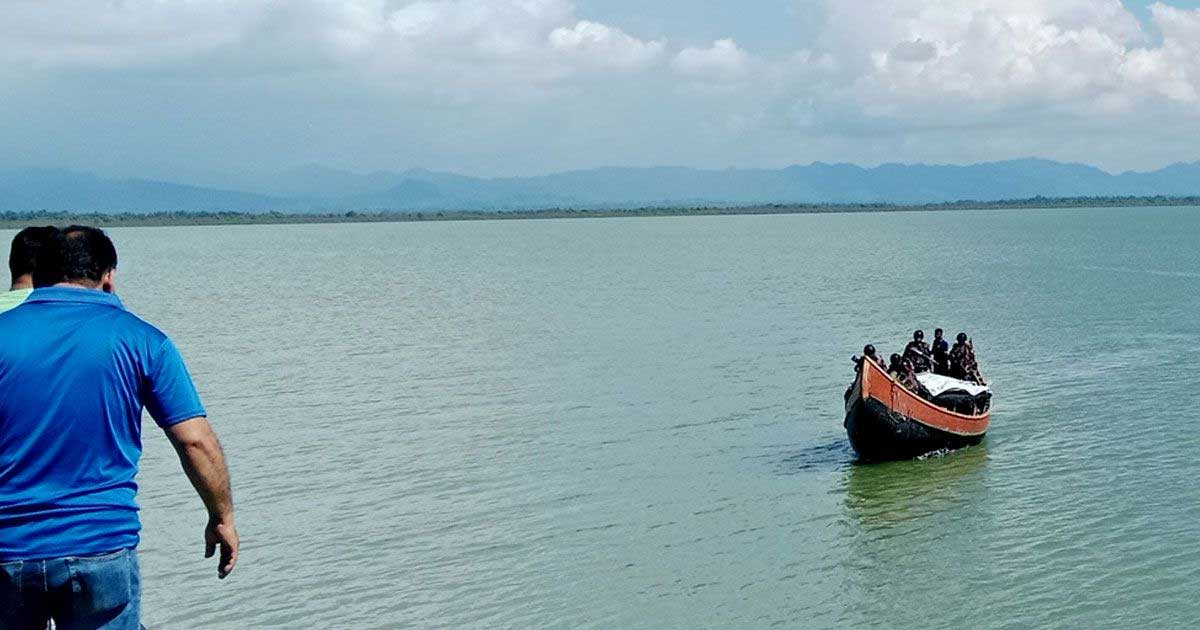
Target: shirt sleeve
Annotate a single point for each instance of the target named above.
(170, 396)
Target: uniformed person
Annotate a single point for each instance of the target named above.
(870, 354)
(963, 364)
(894, 365)
(941, 353)
(917, 351)
(908, 378)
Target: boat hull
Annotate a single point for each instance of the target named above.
(886, 421)
(880, 434)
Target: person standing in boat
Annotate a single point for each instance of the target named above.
(869, 351)
(941, 353)
(76, 372)
(869, 354)
(963, 364)
(917, 351)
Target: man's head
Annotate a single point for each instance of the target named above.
(919, 335)
(869, 350)
(23, 257)
(937, 333)
(894, 360)
(83, 256)
(961, 338)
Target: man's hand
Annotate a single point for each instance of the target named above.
(204, 462)
(223, 534)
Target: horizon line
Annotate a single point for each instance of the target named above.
(609, 167)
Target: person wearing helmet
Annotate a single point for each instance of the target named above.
(963, 364)
(870, 355)
(917, 351)
(894, 365)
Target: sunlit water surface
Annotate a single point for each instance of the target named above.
(637, 423)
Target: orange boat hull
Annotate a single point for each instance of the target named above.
(885, 420)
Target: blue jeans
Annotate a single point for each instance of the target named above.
(86, 593)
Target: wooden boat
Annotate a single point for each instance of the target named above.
(885, 420)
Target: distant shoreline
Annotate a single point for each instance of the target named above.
(13, 220)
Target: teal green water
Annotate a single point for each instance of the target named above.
(637, 423)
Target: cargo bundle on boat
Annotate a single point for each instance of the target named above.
(886, 420)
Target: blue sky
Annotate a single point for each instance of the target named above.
(215, 91)
(1141, 7)
(766, 25)
(769, 25)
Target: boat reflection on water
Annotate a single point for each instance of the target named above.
(918, 537)
(894, 493)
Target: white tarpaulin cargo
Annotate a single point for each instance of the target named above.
(937, 384)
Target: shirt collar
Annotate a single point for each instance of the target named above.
(78, 295)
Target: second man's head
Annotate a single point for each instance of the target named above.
(27, 247)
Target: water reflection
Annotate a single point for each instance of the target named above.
(894, 493)
(827, 456)
(916, 534)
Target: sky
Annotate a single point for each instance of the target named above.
(230, 91)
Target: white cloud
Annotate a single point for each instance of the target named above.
(1085, 56)
(724, 59)
(112, 34)
(934, 78)
(603, 46)
(1012, 77)
(884, 57)
(1173, 69)
(916, 51)
(534, 40)
(478, 29)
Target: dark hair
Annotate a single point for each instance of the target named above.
(869, 350)
(920, 334)
(937, 332)
(962, 337)
(23, 257)
(895, 358)
(80, 254)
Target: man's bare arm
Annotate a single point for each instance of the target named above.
(204, 462)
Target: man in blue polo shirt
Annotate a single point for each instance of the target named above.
(76, 371)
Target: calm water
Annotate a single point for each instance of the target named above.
(637, 423)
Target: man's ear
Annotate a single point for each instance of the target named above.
(108, 282)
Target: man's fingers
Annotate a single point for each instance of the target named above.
(224, 536)
(228, 560)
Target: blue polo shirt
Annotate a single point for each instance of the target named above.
(76, 370)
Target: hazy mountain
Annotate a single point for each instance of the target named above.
(317, 188)
(818, 182)
(31, 189)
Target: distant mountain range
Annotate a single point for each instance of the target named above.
(320, 189)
